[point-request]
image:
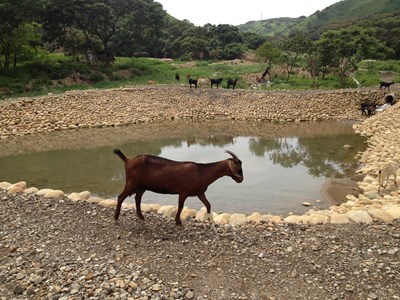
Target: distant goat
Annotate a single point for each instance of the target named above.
(215, 81)
(385, 172)
(266, 72)
(164, 176)
(177, 77)
(368, 109)
(386, 85)
(232, 82)
(193, 81)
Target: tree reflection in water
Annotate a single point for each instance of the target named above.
(322, 156)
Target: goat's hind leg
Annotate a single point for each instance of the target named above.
(138, 200)
(121, 199)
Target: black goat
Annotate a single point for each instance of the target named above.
(266, 72)
(368, 109)
(193, 81)
(177, 77)
(386, 85)
(164, 176)
(216, 81)
(232, 82)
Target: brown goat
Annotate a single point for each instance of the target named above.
(164, 176)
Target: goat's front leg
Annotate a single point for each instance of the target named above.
(138, 200)
(182, 199)
(203, 199)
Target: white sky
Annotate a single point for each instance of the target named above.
(237, 12)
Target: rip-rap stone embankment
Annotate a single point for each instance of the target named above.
(117, 107)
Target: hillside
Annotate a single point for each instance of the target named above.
(343, 12)
(270, 26)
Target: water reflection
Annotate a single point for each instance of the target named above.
(321, 155)
(282, 167)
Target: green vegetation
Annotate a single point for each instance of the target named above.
(55, 45)
(55, 75)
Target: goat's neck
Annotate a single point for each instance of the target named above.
(213, 171)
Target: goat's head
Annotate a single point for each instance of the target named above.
(235, 165)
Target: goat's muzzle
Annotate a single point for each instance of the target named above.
(238, 179)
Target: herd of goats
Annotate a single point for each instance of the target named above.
(217, 81)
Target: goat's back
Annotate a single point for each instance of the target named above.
(161, 175)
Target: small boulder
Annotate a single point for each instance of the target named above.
(21, 185)
(187, 213)
(359, 216)
(222, 219)
(238, 219)
(31, 190)
(294, 219)
(12, 190)
(84, 195)
(109, 203)
(5, 185)
(255, 218)
(337, 218)
(54, 194)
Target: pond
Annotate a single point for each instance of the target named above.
(284, 164)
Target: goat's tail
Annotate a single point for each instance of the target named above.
(121, 155)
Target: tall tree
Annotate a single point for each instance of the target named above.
(293, 47)
(268, 53)
(108, 27)
(340, 50)
(17, 29)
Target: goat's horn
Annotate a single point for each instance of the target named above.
(235, 158)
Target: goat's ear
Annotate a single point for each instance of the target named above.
(233, 168)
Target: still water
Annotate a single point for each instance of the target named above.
(283, 164)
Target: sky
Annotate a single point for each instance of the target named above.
(237, 12)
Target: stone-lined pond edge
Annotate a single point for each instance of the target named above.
(72, 108)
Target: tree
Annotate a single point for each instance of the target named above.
(268, 53)
(108, 27)
(172, 33)
(312, 58)
(253, 40)
(18, 32)
(338, 54)
(294, 46)
(340, 50)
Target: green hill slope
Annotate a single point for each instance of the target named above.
(343, 12)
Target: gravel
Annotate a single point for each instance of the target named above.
(59, 249)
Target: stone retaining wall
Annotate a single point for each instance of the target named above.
(117, 107)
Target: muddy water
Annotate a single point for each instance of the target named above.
(284, 164)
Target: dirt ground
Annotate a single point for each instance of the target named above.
(58, 249)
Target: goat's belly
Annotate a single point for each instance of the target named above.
(173, 191)
(162, 191)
